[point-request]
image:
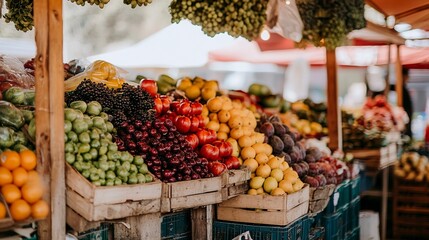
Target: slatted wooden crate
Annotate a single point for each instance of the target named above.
(377, 158)
(319, 198)
(190, 194)
(111, 202)
(411, 210)
(235, 182)
(265, 209)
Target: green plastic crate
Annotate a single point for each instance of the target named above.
(294, 231)
(176, 225)
(343, 221)
(339, 198)
(355, 187)
(317, 233)
(100, 233)
(353, 235)
(336, 224)
(353, 218)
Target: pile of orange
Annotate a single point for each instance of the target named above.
(21, 186)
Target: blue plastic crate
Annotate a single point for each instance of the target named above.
(294, 231)
(339, 198)
(353, 235)
(317, 233)
(353, 220)
(176, 224)
(343, 221)
(100, 233)
(184, 236)
(330, 223)
(355, 188)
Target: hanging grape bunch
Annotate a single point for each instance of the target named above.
(20, 12)
(135, 3)
(235, 17)
(99, 3)
(327, 22)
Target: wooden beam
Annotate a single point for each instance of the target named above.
(334, 113)
(412, 11)
(391, 35)
(399, 78)
(49, 75)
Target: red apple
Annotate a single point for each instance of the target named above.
(210, 152)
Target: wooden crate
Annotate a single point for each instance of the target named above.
(190, 194)
(377, 158)
(265, 209)
(79, 223)
(235, 182)
(111, 202)
(7, 222)
(319, 198)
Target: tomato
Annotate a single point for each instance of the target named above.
(232, 162)
(197, 108)
(212, 136)
(149, 86)
(165, 103)
(195, 124)
(217, 168)
(183, 124)
(184, 108)
(210, 152)
(201, 118)
(193, 140)
(174, 106)
(225, 148)
(158, 105)
(206, 136)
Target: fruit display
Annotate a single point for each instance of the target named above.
(328, 23)
(413, 167)
(13, 73)
(272, 175)
(102, 3)
(165, 84)
(21, 186)
(20, 12)
(90, 150)
(198, 88)
(268, 101)
(237, 18)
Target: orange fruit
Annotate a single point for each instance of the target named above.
(20, 210)
(10, 193)
(39, 210)
(33, 177)
(2, 210)
(20, 176)
(28, 159)
(5, 176)
(32, 192)
(10, 159)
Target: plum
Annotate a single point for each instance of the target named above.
(310, 158)
(305, 167)
(279, 130)
(294, 156)
(267, 129)
(298, 169)
(288, 143)
(274, 119)
(315, 152)
(312, 181)
(313, 169)
(292, 135)
(276, 143)
(322, 180)
(287, 158)
(298, 151)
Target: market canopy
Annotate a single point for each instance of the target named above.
(176, 46)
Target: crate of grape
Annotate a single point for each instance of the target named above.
(265, 209)
(96, 203)
(235, 182)
(191, 194)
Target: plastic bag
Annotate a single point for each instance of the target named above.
(10, 116)
(288, 21)
(99, 72)
(13, 73)
(6, 137)
(243, 236)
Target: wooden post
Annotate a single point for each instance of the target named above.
(389, 61)
(146, 226)
(49, 75)
(333, 113)
(202, 222)
(399, 78)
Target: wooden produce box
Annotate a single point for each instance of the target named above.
(111, 202)
(377, 158)
(7, 222)
(191, 194)
(235, 182)
(319, 198)
(265, 209)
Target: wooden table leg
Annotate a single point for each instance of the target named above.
(384, 198)
(202, 222)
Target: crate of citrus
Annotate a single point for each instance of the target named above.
(21, 187)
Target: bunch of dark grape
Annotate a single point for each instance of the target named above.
(135, 3)
(123, 104)
(99, 3)
(20, 12)
(235, 17)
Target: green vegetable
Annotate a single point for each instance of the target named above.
(109, 136)
(79, 126)
(112, 165)
(102, 150)
(30, 97)
(112, 155)
(14, 95)
(67, 126)
(102, 158)
(28, 115)
(99, 123)
(79, 105)
(94, 153)
(122, 171)
(20, 138)
(66, 139)
(102, 182)
(127, 166)
(10, 116)
(73, 136)
(113, 147)
(79, 158)
(32, 128)
(97, 182)
(101, 174)
(93, 108)
(104, 142)
(6, 137)
(110, 175)
(70, 158)
(19, 147)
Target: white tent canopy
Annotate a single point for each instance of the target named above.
(180, 45)
(16, 47)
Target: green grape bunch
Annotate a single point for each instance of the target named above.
(245, 18)
(20, 12)
(135, 3)
(99, 3)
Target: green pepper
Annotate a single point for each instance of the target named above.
(122, 172)
(104, 142)
(84, 137)
(101, 173)
(102, 182)
(104, 116)
(67, 126)
(112, 165)
(94, 177)
(86, 165)
(109, 136)
(79, 158)
(109, 127)
(96, 164)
